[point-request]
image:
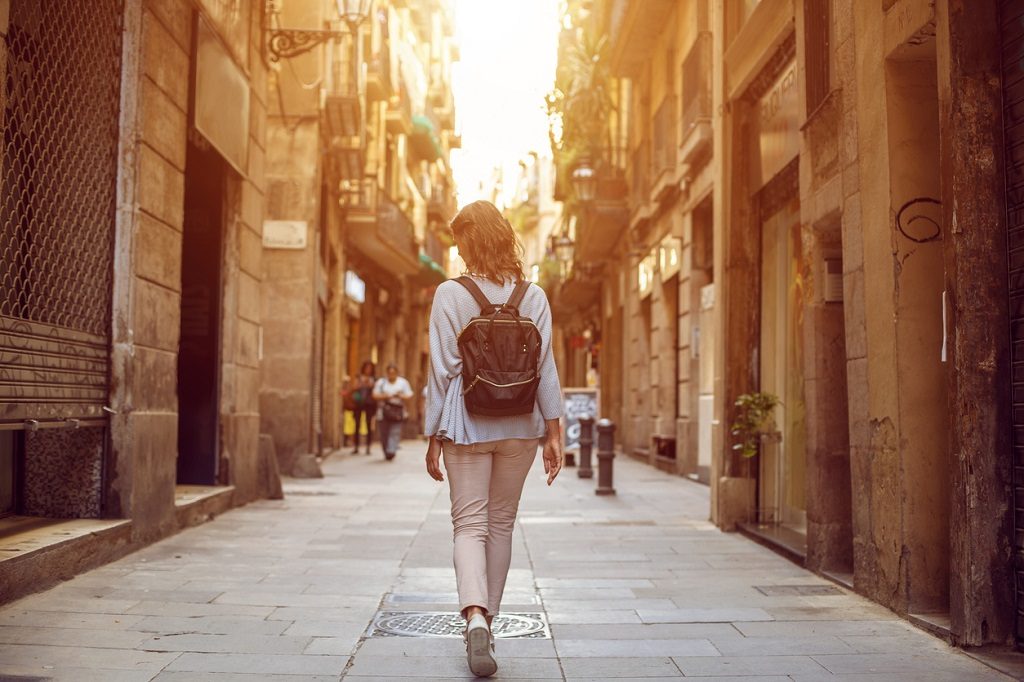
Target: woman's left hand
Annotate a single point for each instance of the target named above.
(434, 459)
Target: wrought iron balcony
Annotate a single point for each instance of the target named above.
(378, 77)
(399, 115)
(663, 142)
(696, 95)
(381, 232)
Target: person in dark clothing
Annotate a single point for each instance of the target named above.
(364, 406)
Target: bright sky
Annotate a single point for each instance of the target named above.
(508, 54)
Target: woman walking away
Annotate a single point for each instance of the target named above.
(364, 404)
(493, 392)
(393, 392)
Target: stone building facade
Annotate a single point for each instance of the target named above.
(359, 195)
(857, 202)
(133, 208)
(639, 298)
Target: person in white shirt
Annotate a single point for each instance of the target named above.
(392, 392)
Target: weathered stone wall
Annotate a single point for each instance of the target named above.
(147, 296)
(289, 276)
(147, 301)
(981, 581)
(829, 512)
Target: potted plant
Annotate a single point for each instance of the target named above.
(755, 422)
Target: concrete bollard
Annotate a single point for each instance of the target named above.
(586, 444)
(605, 455)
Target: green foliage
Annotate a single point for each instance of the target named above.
(522, 216)
(550, 275)
(581, 102)
(753, 419)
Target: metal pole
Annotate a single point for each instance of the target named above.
(586, 443)
(605, 455)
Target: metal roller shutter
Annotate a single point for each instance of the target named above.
(1012, 29)
(60, 109)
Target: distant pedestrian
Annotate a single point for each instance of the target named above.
(392, 392)
(489, 425)
(363, 405)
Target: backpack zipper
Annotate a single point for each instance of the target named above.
(480, 378)
(486, 321)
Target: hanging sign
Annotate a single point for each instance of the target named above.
(221, 105)
(779, 136)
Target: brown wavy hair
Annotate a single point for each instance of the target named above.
(488, 243)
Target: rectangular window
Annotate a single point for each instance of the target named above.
(817, 52)
(695, 88)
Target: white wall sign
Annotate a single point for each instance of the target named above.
(285, 234)
(645, 274)
(669, 256)
(355, 287)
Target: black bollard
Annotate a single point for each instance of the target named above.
(586, 443)
(605, 455)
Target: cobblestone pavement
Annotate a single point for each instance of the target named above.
(636, 586)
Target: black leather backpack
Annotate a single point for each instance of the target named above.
(500, 352)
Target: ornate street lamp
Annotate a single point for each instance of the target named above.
(584, 180)
(353, 12)
(564, 248)
(286, 43)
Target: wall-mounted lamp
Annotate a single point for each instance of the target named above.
(584, 180)
(285, 43)
(564, 248)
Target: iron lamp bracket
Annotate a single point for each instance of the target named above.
(286, 43)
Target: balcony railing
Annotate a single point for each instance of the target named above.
(696, 85)
(433, 247)
(664, 137)
(394, 227)
(378, 76)
(399, 116)
(641, 172)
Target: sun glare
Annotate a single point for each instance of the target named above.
(508, 54)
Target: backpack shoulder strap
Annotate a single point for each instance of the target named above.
(518, 294)
(478, 295)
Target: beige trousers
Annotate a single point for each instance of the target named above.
(485, 481)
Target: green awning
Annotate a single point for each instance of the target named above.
(424, 138)
(431, 272)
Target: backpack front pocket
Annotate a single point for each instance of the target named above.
(495, 393)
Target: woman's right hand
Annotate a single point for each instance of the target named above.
(553, 457)
(434, 459)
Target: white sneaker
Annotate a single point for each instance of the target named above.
(479, 647)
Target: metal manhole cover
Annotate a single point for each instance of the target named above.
(799, 590)
(447, 624)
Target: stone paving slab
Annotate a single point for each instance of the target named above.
(258, 665)
(629, 668)
(241, 677)
(634, 587)
(450, 667)
(55, 672)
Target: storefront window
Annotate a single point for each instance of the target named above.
(6, 472)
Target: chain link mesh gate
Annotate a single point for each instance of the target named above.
(60, 105)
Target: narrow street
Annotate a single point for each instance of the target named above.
(634, 586)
